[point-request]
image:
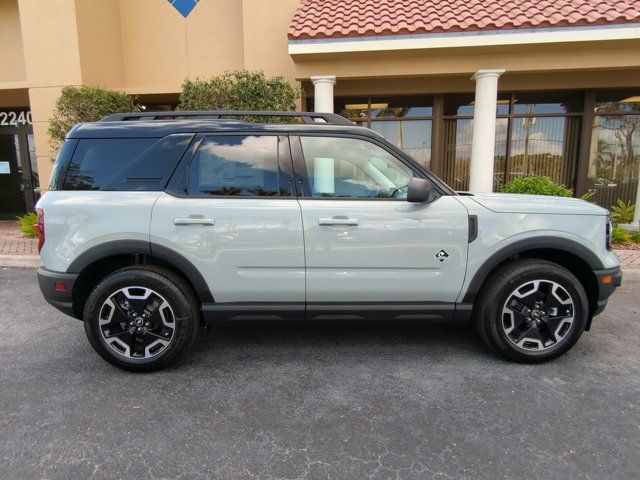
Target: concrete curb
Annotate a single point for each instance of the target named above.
(631, 275)
(20, 261)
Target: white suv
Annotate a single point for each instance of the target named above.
(159, 223)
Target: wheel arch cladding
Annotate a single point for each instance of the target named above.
(97, 262)
(575, 257)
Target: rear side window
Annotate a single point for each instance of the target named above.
(62, 162)
(125, 164)
(236, 165)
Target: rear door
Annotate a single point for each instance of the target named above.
(231, 212)
(364, 242)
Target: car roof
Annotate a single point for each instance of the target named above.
(160, 128)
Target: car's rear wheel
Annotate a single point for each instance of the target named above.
(141, 318)
(532, 310)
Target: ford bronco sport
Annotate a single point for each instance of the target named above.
(158, 223)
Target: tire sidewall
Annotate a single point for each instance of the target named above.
(519, 277)
(180, 304)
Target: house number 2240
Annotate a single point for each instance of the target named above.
(14, 119)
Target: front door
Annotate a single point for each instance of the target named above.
(364, 242)
(231, 212)
(19, 184)
(11, 193)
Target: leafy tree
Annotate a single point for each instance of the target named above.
(536, 186)
(239, 90)
(85, 104)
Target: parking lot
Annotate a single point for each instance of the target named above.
(339, 402)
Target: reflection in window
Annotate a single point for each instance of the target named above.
(236, 165)
(544, 146)
(412, 136)
(348, 167)
(96, 162)
(404, 121)
(547, 102)
(614, 161)
(464, 104)
(457, 157)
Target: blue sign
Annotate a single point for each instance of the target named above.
(184, 6)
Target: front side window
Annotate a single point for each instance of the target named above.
(236, 165)
(353, 168)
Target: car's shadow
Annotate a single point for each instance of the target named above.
(334, 340)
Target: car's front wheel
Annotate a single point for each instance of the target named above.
(532, 310)
(141, 318)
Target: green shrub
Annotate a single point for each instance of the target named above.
(635, 237)
(536, 186)
(26, 224)
(239, 90)
(620, 235)
(85, 104)
(587, 196)
(622, 212)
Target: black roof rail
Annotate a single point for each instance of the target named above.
(306, 117)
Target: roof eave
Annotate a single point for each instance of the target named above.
(520, 36)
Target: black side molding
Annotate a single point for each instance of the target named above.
(132, 247)
(252, 312)
(328, 312)
(528, 244)
(473, 228)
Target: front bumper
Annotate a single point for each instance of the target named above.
(57, 289)
(608, 280)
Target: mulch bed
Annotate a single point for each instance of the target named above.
(626, 246)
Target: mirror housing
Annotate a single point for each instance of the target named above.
(420, 191)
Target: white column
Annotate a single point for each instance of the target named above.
(323, 93)
(484, 130)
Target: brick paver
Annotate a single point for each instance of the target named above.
(629, 259)
(13, 243)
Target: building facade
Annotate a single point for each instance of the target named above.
(560, 81)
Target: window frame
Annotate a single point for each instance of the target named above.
(303, 183)
(178, 185)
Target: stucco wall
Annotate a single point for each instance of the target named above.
(11, 53)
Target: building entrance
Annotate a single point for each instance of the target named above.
(19, 182)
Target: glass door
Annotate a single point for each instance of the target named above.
(12, 201)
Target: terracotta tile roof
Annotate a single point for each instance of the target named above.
(355, 18)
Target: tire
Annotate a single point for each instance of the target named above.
(532, 311)
(141, 318)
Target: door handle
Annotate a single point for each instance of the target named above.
(337, 221)
(194, 221)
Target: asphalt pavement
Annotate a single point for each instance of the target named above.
(321, 402)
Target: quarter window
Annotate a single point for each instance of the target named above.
(353, 168)
(97, 163)
(236, 165)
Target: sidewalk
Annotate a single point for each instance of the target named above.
(17, 251)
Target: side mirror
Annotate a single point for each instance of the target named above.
(420, 191)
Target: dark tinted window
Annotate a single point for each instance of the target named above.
(237, 165)
(125, 163)
(62, 161)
